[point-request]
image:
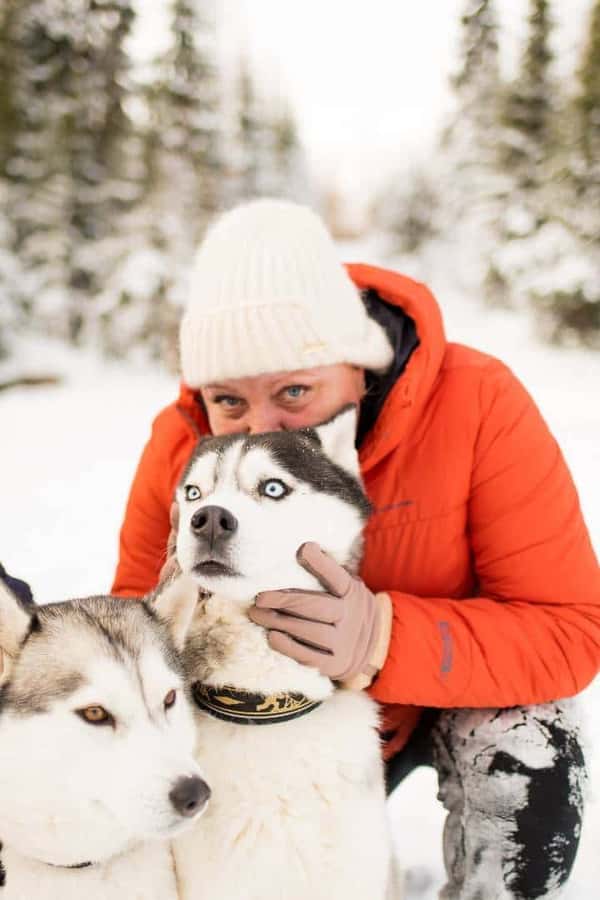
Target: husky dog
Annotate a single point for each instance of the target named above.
(97, 772)
(294, 763)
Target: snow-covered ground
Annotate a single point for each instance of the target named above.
(68, 455)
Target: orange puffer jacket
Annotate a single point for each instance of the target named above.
(476, 531)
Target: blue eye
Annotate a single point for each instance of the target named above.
(192, 492)
(274, 489)
(294, 391)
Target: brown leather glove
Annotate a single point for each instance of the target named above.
(344, 631)
(171, 566)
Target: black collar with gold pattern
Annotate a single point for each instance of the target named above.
(246, 708)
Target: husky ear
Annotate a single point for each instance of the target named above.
(175, 603)
(337, 437)
(15, 623)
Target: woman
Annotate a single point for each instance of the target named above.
(488, 590)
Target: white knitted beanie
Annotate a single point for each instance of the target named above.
(269, 294)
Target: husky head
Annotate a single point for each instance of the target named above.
(248, 502)
(96, 735)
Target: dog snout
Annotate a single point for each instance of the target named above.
(214, 524)
(189, 795)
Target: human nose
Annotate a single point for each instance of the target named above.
(264, 419)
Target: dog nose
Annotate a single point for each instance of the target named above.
(214, 523)
(189, 795)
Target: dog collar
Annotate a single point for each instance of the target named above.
(246, 708)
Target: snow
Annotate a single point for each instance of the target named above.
(69, 454)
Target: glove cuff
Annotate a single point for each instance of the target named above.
(378, 650)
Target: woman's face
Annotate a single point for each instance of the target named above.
(283, 400)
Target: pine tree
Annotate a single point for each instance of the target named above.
(467, 212)
(528, 159)
(38, 188)
(102, 180)
(477, 82)
(9, 270)
(8, 109)
(249, 141)
(191, 103)
(289, 176)
(568, 303)
(528, 140)
(587, 106)
(66, 172)
(178, 189)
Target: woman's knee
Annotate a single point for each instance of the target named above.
(516, 779)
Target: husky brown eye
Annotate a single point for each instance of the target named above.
(96, 715)
(192, 492)
(170, 699)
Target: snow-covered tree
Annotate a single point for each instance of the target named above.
(467, 166)
(248, 140)
(587, 129)
(265, 155)
(9, 312)
(289, 168)
(66, 183)
(528, 141)
(180, 155)
(188, 112)
(528, 161)
(568, 299)
(550, 259)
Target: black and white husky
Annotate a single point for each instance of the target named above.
(298, 808)
(97, 772)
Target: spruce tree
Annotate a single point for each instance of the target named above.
(528, 163)
(187, 110)
(569, 303)
(587, 106)
(9, 270)
(530, 104)
(467, 211)
(289, 176)
(177, 190)
(39, 189)
(8, 107)
(477, 81)
(66, 168)
(249, 145)
(100, 134)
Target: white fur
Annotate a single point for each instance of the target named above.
(74, 792)
(298, 808)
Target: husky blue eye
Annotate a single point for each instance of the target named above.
(274, 488)
(192, 492)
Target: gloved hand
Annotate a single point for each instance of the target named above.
(343, 631)
(171, 566)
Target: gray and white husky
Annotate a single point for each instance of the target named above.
(298, 808)
(97, 772)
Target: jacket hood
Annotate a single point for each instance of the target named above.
(410, 393)
(408, 396)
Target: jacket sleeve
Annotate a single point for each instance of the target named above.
(145, 529)
(532, 633)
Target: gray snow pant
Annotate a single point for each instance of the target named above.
(512, 781)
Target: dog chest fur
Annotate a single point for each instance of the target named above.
(297, 809)
(146, 873)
